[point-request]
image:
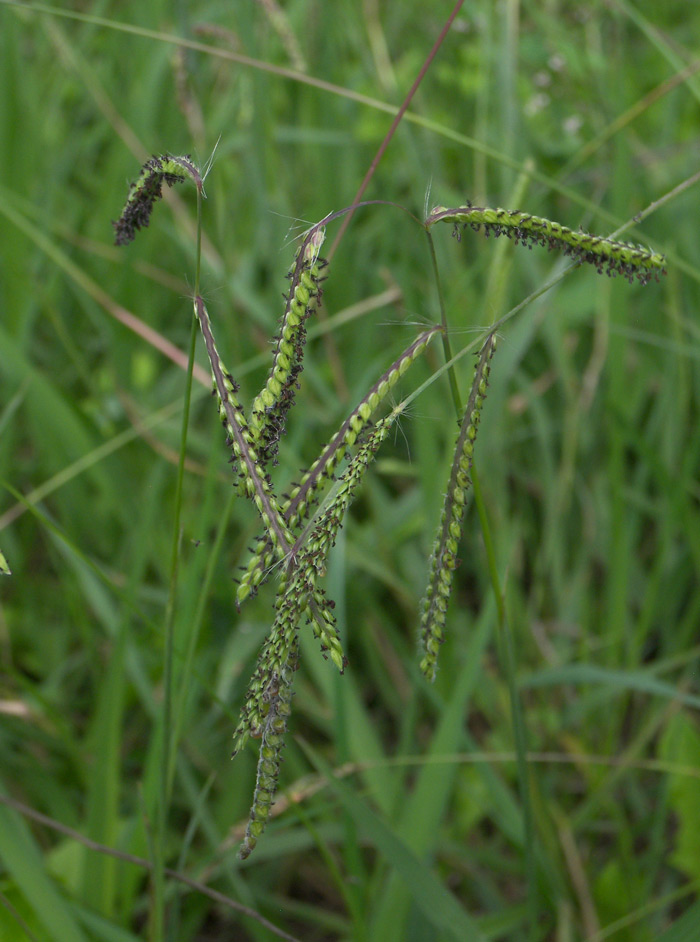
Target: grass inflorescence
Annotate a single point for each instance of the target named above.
(609, 256)
(444, 556)
(297, 545)
(273, 402)
(291, 542)
(148, 189)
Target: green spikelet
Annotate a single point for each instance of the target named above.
(304, 495)
(444, 555)
(271, 405)
(607, 255)
(325, 629)
(296, 597)
(320, 537)
(148, 189)
(279, 702)
(324, 528)
(253, 482)
(274, 654)
(298, 593)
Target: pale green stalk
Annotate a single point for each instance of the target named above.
(504, 634)
(167, 746)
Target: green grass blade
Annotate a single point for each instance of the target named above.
(420, 821)
(436, 902)
(24, 863)
(616, 680)
(684, 929)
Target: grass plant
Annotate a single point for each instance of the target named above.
(542, 784)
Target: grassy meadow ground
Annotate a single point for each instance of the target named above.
(588, 456)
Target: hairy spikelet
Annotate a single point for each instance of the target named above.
(290, 605)
(324, 528)
(607, 255)
(267, 704)
(271, 405)
(311, 549)
(148, 189)
(298, 594)
(4, 568)
(279, 703)
(325, 628)
(297, 598)
(304, 494)
(252, 480)
(444, 555)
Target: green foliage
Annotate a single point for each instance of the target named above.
(680, 747)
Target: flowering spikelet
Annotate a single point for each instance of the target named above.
(444, 557)
(268, 698)
(274, 654)
(305, 493)
(324, 531)
(269, 411)
(325, 628)
(299, 595)
(296, 597)
(148, 189)
(253, 481)
(279, 702)
(310, 552)
(607, 255)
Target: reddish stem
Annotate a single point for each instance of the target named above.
(394, 125)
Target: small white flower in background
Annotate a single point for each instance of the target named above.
(537, 103)
(573, 124)
(556, 62)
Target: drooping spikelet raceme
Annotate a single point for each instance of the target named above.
(253, 481)
(269, 411)
(148, 189)
(298, 594)
(304, 494)
(444, 556)
(607, 255)
(279, 707)
(268, 699)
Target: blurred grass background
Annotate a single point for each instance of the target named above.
(588, 454)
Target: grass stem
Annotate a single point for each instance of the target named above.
(167, 764)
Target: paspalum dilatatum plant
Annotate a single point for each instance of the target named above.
(299, 529)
